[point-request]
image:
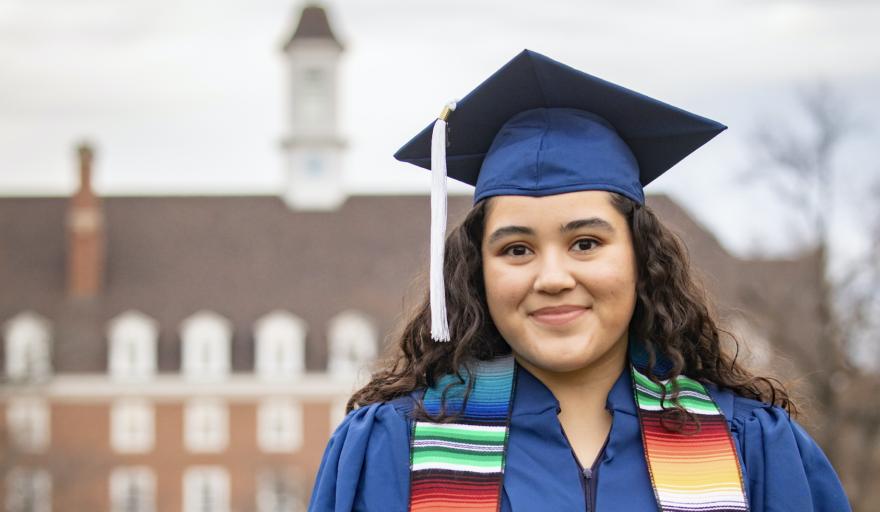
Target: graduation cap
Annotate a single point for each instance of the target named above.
(538, 127)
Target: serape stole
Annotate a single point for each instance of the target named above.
(460, 465)
(689, 471)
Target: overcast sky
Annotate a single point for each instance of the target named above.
(186, 96)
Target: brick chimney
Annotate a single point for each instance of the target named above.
(85, 234)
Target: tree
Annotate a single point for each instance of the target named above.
(799, 161)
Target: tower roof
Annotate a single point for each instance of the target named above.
(313, 24)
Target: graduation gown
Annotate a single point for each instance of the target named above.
(366, 464)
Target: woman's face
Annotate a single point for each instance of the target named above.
(560, 277)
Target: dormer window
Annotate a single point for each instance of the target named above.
(28, 348)
(206, 346)
(352, 338)
(133, 337)
(280, 339)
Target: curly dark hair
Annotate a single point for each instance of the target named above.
(673, 315)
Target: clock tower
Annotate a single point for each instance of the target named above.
(313, 148)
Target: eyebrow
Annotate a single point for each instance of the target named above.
(591, 222)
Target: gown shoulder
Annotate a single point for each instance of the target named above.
(366, 462)
(786, 469)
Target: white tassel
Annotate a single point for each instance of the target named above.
(439, 322)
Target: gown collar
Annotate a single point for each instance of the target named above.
(533, 397)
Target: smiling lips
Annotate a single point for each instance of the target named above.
(558, 315)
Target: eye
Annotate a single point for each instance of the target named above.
(515, 250)
(583, 244)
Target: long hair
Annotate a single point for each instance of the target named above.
(673, 316)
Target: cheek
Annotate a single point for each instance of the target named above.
(505, 286)
(613, 281)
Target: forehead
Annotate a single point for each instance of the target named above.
(553, 209)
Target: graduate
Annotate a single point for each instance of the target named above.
(564, 358)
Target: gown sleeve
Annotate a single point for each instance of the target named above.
(786, 469)
(366, 463)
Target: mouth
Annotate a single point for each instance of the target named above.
(559, 315)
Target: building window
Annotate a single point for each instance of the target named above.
(276, 493)
(313, 78)
(206, 426)
(206, 489)
(133, 338)
(314, 93)
(132, 489)
(206, 339)
(28, 421)
(280, 339)
(132, 426)
(279, 425)
(352, 339)
(28, 490)
(28, 348)
(337, 413)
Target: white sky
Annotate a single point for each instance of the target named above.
(187, 96)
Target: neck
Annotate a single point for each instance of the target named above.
(582, 393)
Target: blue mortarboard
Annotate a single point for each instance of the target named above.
(538, 127)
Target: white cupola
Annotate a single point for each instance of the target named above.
(312, 147)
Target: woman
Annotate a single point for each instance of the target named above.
(583, 368)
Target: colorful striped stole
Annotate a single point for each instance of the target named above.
(698, 472)
(460, 466)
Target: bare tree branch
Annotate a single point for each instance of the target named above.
(797, 161)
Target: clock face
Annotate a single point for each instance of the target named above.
(314, 165)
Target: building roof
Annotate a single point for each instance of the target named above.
(313, 24)
(245, 256)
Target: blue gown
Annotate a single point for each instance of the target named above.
(366, 463)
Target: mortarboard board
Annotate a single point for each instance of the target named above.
(538, 127)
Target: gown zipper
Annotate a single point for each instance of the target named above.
(586, 474)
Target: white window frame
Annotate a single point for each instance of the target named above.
(271, 484)
(313, 82)
(352, 338)
(132, 426)
(206, 426)
(28, 347)
(133, 337)
(196, 478)
(280, 346)
(337, 413)
(279, 425)
(207, 340)
(40, 487)
(123, 479)
(28, 421)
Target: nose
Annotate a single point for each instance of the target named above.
(553, 275)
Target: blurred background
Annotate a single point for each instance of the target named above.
(205, 241)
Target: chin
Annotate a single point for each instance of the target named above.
(559, 360)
